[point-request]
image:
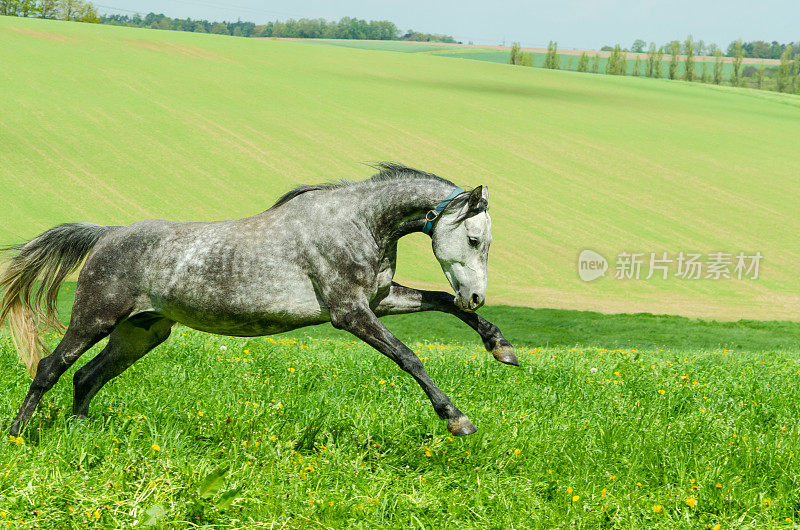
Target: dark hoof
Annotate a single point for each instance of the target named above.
(461, 426)
(506, 354)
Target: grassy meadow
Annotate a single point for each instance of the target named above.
(600, 426)
(629, 420)
(113, 125)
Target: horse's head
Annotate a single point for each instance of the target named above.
(461, 242)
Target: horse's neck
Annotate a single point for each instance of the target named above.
(399, 208)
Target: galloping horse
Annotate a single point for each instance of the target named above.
(324, 253)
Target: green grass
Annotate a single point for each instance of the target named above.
(112, 125)
(318, 430)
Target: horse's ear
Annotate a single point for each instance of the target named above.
(478, 195)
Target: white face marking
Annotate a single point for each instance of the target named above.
(462, 249)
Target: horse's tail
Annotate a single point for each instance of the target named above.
(50, 257)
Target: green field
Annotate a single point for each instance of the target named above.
(613, 421)
(313, 429)
(112, 125)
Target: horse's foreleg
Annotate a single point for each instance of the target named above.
(129, 342)
(401, 300)
(363, 323)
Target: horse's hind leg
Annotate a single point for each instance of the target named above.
(75, 342)
(128, 343)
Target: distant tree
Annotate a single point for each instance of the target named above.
(583, 62)
(637, 67)
(237, 32)
(759, 75)
(220, 29)
(526, 58)
(651, 60)
(48, 8)
(622, 62)
(27, 8)
(638, 46)
(718, 67)
(704, 77)
(797, 70)
(200, 28)
(688, 50)
(519, 57)
(607, 48)
(569, 63)
(514, 54)
(659, 62)
(700, 48)
(68, 9)
(738, 54)
(617, 64)
(784, 79)
(551, 59)
(596, 63)
(674, 50)
(611, 62)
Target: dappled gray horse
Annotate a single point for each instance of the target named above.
(322, 253)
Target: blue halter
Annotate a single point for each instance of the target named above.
(432, 215)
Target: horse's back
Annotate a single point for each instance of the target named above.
(227, 277)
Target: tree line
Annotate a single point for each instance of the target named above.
(75, 10)
(304, 28)
(784, 77)
(757, 49)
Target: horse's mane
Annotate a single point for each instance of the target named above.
(387, 171)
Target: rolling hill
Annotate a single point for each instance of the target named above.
(113, 125)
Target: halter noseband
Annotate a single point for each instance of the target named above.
(432, 215)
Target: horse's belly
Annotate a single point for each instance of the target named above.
(246, 316)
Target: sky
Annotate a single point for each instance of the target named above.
(580, 24)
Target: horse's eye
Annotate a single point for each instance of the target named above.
(473, 241)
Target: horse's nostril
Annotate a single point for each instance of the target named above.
(476, 300)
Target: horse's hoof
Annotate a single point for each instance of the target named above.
(506, 354)
(461, 426)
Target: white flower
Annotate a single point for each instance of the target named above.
(593, 370)
(223, 348)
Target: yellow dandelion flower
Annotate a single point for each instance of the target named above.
(576, 498)
(200, 413)
(569, 490)
(657, 508)
(3, 515)
(767, 503)
(273, 438)
(156, 447)
(381, 382)
(517, 452)
(309, 468)
(291, 370)
(691, 502)
(96, 514)
(428, 452)
(718, 485)
(695, 488)
(604, 492)
(662, 391)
